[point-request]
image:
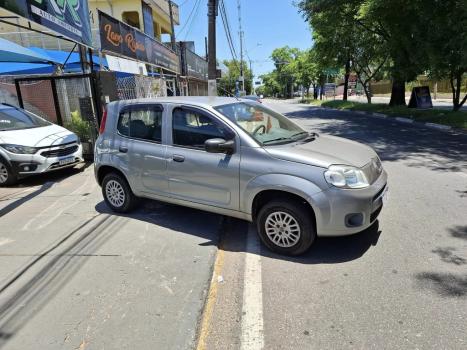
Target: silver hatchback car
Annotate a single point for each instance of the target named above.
(241, 159)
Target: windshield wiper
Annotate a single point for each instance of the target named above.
(276, 140)
(300, 134)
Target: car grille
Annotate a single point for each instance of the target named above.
(60, 152)
(373, 170)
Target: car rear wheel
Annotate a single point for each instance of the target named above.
(7, 177)
(117, 193)
(286, 227)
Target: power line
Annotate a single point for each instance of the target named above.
(193, 19)
(195, 5)
(227, 31)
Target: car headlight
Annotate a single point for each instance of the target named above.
(18, 149)
(344, 176)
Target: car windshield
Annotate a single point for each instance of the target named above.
(264, 125)
(12, 118)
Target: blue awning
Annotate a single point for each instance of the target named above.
(11, 52)
(73, 64)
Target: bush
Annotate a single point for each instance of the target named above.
(79, 126)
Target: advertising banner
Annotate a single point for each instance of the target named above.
(196, 67)
(118, 37)
(69, 18)
(420, 98)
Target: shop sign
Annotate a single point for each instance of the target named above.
(69, 18)
(122, 39)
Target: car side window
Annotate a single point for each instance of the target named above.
(191, 128)
(143, 123)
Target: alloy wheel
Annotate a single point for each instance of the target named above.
(115, 193)
(282, 229)
(3, 173)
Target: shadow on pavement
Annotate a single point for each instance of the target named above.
(444, 284)
(38, 284)
(194, 222)
(173, 217)
(393, 141)
(45, 181)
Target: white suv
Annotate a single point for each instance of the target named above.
(31, 145)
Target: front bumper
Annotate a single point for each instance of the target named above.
(341, 212)
(31, 164)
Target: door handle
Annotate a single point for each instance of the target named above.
(177, 158)
(123, 149)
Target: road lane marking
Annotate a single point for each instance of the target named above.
(48, 208)
(252, 310)
(4, 241)
(211, 301)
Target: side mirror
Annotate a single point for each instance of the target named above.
(219, 146)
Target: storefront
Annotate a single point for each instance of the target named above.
(194, 79)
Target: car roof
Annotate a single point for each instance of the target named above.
(205, 101)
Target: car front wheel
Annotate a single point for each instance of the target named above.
(117, 193)
(7, 177)
(286, 227)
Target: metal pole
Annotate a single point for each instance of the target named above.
(212, 61)
(172, 28)
(241, 43)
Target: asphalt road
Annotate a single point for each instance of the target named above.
(75, 276)
(400, 285)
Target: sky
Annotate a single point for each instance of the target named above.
(270, 23)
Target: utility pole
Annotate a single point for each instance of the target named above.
(241, 43)
(212, 61)
(172, 28)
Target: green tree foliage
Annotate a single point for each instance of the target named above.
(406, 37)
(446, 43)
(226, 85)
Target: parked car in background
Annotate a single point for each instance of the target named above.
(238, 158)
(31, 145)
(253, 98)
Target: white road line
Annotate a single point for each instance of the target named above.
(4, 241)
(252, 319)
(49, 208)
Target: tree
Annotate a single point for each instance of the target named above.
(283, 58)
(395, 25)
(447, 43)
(228, 83)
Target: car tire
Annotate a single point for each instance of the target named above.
(7, 175)
(118, 194)
(286, 227)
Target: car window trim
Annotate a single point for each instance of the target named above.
(136, 107)
(201, 111)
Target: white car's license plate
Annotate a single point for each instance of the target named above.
(66, 161)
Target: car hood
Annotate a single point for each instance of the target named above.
(324, 151)
(38, 137)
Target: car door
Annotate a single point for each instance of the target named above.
(140, 128)
(194, 174)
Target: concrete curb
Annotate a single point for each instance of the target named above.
(404, 120)
(440, 127)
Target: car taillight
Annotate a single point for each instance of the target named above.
(103, 121)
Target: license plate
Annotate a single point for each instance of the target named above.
(66, 161)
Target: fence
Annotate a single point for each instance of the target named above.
(134, 86)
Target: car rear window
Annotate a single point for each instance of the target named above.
(15, 119)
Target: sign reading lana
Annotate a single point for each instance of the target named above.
(118, 37)
(67, 17)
